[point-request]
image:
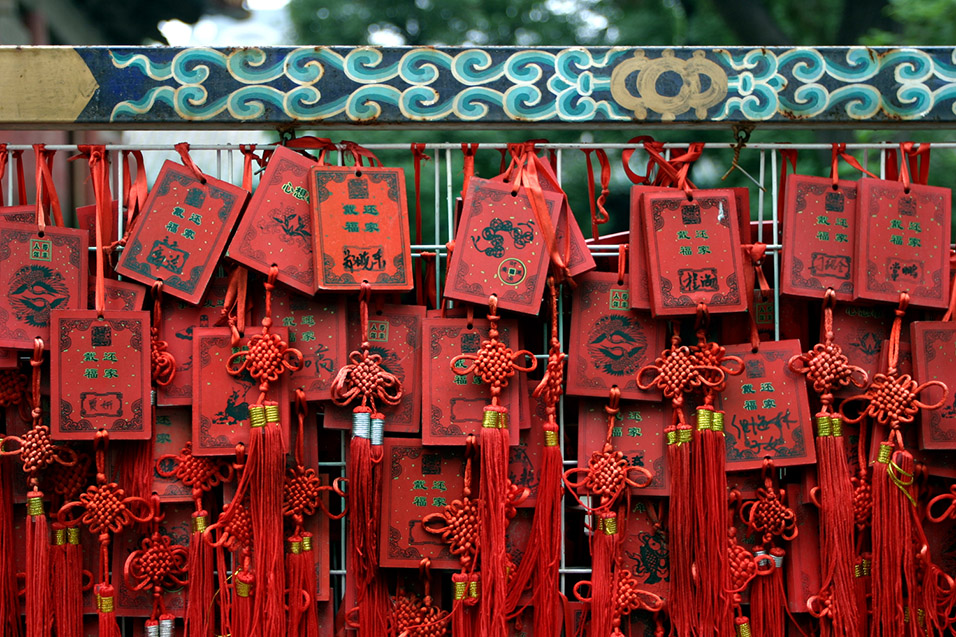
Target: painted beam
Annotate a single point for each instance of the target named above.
(548, 87)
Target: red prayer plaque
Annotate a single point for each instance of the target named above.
(645, 551)
(101, 375)
(637, 249)
(276, 228)
(499, 248)
(420, 482)
(638, 434)
(454, 403)
(86, 220)
(860, 330)
(122, 296)
(794, 320)
(177, 526)
(182, 232)
(903, 243)
(8, 359)
(819, 237)
(394, 333)
(171, 430)
(179, 321)
(317, 329)
(524, 459)
(361, 228)
(567, 232)
(742, 199)
(934, 358)
(221, 401)
(20, 214)
(802, 566)
(693, 252)
(610, 341)
(38, 274)
(767, 413)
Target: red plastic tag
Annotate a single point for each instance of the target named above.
(122, 296)
(693, 252)
(276, 228)
(171, 431)
(179, 321)
(767, 410)
(638, 433)
(177, 526)
(317, 329)
(499, 248)
(361, 228)
(100, 375)
(610, 341)
(903, 243)
(934, 358)
(395, 333)
(860, 330)
(567, 231)
(819, 236)
(221, 401)
(645, 551)
(421, 481)
(182, 232)
(39, 274)
(454, 403)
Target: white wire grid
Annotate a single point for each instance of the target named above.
(446, 169)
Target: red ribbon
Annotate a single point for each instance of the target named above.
(99, 172)
(599, 214)
(183, 149)
(46, 188)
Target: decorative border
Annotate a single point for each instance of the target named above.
(122, 87)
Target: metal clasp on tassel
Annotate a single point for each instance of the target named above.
(824, 426)
(34, 506)
(493, 419)
(200, 523)
(257, 416)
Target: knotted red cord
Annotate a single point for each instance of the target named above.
(162, 362)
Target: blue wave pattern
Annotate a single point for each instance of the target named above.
(365, 84)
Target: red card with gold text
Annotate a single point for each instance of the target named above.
(317, 329)
(221, 401)
(903, 243)
(610, 341)
(453, 403)
(276, 228)
(100, 375)
(395, 334)
(361, 228)
(693, 252)
(766, 410)
(499, 248)
(179, 321)
(934, 358)
(38, 274)
(638, 433)
(182, 232)
(418, 482)
(819, 237)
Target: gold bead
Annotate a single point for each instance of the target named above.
(73, 535)
(886, 452)
(824, 426)
(460, 589)
(306, 543)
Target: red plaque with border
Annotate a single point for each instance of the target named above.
(453, 403)
(100, 375)
(361, 228)
(693, 252)
(819, 237)
(638, 433)
(802, 567)
(277, 225)
(524, 459)
(903, 243)
(221, 401)
(180, 319)
(38, 274)
(19, 214)
(610, 341)
(499, 248)
(171, 430)
(860, 330)
(394, 333)
(419, 481)
(317, 329)
(182, 232)
(644, 550)
(767, 412)
(934, 358)
(638, 275)
(567, 232)
(122, 296)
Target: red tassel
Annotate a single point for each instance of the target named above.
(199, 568)
(464, 614)
(546, 529)
(680, 529)
(895, 584)
(493, 522)
(836, 528)
(38, 600)
(767, 597)
(710, 554)
(9, 604)
(604, 545)
(243, 606)
(300, 570)
(104, 606)
(67, 561)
